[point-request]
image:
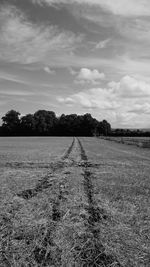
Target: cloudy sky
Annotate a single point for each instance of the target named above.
(77, 56)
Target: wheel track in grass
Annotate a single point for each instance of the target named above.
(28, 164)
(42, 253)
(92, 253)
(87, 250)
(44, 182)
(69, 150)
(49, 252)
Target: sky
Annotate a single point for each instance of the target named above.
(77, 56)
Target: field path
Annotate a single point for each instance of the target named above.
(77, 216)
(87, 210)
(69, 232)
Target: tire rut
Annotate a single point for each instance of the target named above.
(47, 251)
(44, 182)
(88, 249)
(92, 253)
(69, 150)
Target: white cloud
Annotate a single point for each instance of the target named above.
(125, 103)
(24, 42)
(117, 7)
(127, 7)
(129, 87)
(68, 100)
(92, 98)
(89, 76)
(48, 70)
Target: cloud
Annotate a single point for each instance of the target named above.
(89, 76)
(48, 70)
(134, 29)
(126, 18)
(78, 61)
(102, 44)
(72, 71)
(124, 103)
(68, 100)
(25, 42)
(141, 109)
(93, 98)
(10, 92)
(12, 78)
(130, 87)
(129, 8)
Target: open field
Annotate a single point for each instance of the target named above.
(136, 141)
(74, 202)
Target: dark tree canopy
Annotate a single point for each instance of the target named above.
(104, 128)
(11, 122)
(27, 124)
(45, 123)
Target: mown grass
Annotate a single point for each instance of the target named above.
(28, 201)
(143, 142)
(21, 221)
(92, 212)
(122, 188)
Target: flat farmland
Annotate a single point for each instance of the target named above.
(32, 149)
(136, 141)
(121, 182)
(25, 160)
(74, 202)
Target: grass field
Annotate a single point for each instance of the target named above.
(74, 202)
(136, 141)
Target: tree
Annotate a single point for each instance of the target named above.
(11, 123)
(67, 124)
(104, 128)
(27, 125)
(45, 122)
(88, 125)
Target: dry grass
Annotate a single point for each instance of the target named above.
(122, 187)
(78, 211)
(143, 142)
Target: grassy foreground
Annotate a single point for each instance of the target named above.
(89, 206)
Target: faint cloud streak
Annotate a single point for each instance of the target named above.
(24, 42)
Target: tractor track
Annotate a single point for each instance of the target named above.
(92, 252)
(88, 251)
(47, 251)
(69, 150)
(44, 183)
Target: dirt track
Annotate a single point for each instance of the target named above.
(74, 207)
(75, 225)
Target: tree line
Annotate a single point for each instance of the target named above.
(46, 123)
(130, 132)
